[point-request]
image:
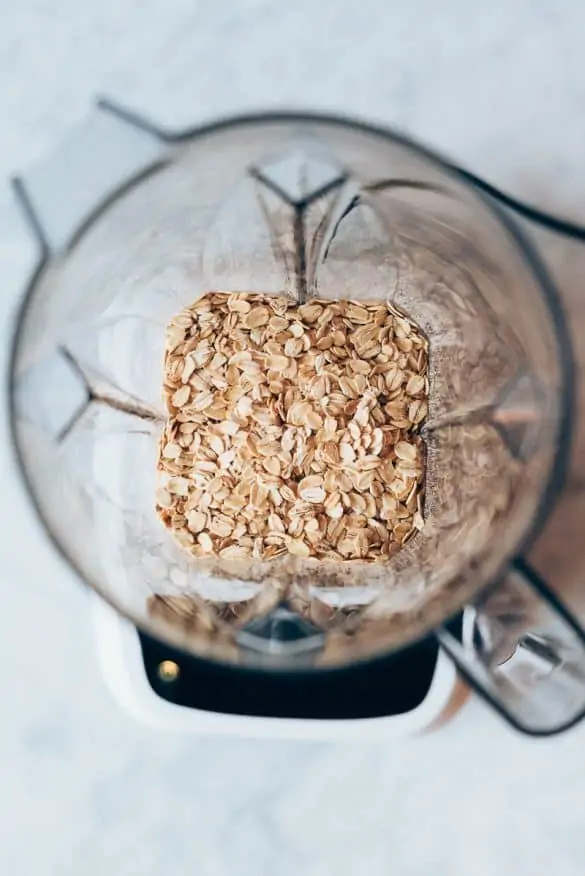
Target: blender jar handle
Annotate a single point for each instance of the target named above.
(524, 652)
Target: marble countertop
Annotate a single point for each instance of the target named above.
(84, 788)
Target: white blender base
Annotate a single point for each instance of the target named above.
(120, 658)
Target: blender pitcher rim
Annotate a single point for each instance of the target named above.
(487, 195)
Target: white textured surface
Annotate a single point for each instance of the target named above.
(83, 789)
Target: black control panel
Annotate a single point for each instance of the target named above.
(389, 685)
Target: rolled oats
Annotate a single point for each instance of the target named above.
(292, 429)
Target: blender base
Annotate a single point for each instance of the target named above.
(130, 662)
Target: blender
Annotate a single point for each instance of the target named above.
(133, 224)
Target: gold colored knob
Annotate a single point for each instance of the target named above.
(168, 670)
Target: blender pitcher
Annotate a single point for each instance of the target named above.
(133, 225)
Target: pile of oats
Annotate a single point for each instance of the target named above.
(292, 430)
